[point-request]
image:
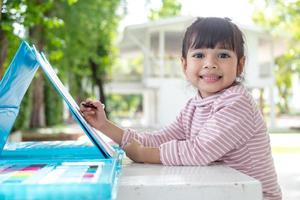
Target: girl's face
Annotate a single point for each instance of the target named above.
(211, 70)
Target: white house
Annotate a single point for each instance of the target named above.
(162, 84)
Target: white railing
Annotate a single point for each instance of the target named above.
(170, 68)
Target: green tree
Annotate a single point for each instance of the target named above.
(277, 17)
(92, 27)
(37, 20)
(41, 21)
(168, 8)
(10, 13)
(283, 79)
(77, 37)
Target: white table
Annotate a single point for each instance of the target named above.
(149, 182)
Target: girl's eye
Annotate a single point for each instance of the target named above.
(224, 55)
(198, 55)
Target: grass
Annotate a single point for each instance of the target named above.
(286, 149)
(284, 130)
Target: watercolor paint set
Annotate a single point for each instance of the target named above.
(64, 179)
(51, 169)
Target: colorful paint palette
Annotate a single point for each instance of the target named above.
(18, 173)
(63, 173)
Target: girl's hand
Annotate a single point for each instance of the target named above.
(134, 150)
(138, 153)
(93, 112)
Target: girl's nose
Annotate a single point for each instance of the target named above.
(209, 66)
(209, 63)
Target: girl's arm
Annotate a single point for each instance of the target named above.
(134, 150)
(93, 112)
(145, 147)
(175, 131)
(231, 126)
(112, 131)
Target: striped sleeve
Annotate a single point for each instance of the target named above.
(174, 131)
(230, 126)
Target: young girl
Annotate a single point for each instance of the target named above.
(220, 124)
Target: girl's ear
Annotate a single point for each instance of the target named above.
(184, 65)
(241, 65)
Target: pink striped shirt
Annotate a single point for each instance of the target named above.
(226, 127)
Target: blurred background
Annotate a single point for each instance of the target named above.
(126, 53)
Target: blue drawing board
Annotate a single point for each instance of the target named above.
(56, 169)
(13, 87)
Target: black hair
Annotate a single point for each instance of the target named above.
(212, 32)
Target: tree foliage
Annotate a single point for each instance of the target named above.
(277, 17)
(77, 37)
(9, 14)
(169, 8)
(89, 45)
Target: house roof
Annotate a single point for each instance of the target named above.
(173, 28)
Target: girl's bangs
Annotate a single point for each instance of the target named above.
(212, 44)
(212, 36)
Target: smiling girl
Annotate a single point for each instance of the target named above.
(220, 124)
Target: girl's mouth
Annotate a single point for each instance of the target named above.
(210, 77)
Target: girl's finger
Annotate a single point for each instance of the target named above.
(98, 104)
(89, 112)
